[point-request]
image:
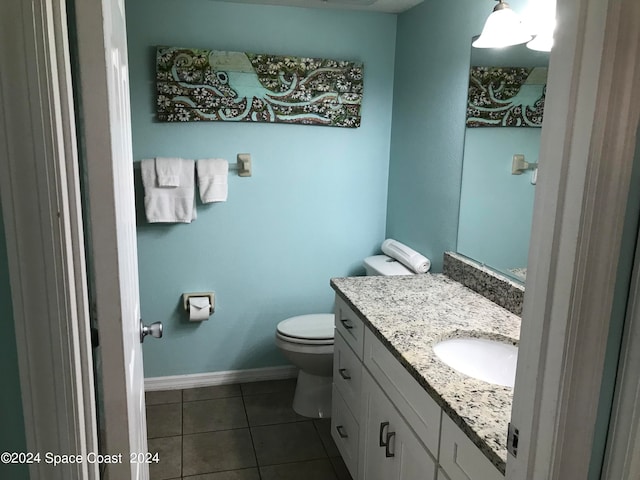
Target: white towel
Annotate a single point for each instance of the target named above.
(168, 171)
(212, 179)
(173, 204)
(406, 256)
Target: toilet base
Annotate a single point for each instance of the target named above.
(313, 396)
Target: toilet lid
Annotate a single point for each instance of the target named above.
(318, 326)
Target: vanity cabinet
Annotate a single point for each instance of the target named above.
(460, 459)
(386, 425)
(390, 448)
(347, 390)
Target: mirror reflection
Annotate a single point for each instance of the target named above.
(502, 141)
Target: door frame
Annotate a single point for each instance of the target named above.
(622, 457)
(39, 184)
(586, 158)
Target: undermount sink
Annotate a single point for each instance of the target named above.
(491, 361)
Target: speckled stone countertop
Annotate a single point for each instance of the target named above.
(409, 314)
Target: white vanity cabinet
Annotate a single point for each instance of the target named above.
(347, 391)
(460, 459)
(386, 425)
(390, 448)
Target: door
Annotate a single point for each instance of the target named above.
(380, 423)
(413, 459)
(392, 451)
(110, 215)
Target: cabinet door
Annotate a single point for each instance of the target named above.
(414, 461)
(390, 449)
(460, 458)
(379, 424)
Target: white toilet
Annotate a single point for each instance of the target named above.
(307, 342)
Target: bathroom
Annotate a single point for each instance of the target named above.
(297, 181)
(315, 192)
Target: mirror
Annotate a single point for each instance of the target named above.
(504, 113)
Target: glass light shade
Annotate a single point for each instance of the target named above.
(502, 29)
(542, 43)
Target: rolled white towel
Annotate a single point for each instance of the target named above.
(406, 256)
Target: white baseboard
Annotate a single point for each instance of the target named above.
(178, 382)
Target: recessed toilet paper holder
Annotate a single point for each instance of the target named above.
(187, 296)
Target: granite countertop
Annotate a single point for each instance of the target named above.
(409, 314)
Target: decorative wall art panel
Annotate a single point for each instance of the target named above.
(506, 96)
(208, 85)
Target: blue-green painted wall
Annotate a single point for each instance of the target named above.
(430, 89)
(12, 436)
(496, 207)
(313, 209)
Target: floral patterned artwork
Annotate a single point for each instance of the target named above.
(207, 85)
(506, 96)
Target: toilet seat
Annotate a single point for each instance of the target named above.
(314, 329)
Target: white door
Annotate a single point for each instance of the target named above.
(104, 93)
(380, 423)
(392, 451)
(413, 459)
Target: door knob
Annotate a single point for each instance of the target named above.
(155, 330)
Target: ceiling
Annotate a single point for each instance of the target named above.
(389, 6)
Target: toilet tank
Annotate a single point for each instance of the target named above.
(383, 265)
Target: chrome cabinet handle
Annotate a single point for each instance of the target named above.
(347, 325)
(387, 452)
(383, 425)
(343, 373)
(341, 432)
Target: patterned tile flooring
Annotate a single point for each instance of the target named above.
(246, 431)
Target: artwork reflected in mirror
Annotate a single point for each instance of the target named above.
(502, 140)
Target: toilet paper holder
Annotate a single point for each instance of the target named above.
(187, 296)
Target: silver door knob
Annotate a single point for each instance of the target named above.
(155, 330)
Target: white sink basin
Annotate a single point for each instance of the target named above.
(487, 360)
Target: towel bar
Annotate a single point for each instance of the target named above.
(243, 165)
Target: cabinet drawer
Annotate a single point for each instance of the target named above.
(350, 326)
(345, 432)
(461, 459)
(347, 374)
(410, 398)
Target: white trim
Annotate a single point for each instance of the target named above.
(586, 157)
(178, 382)
(622, 458)
(41, 208)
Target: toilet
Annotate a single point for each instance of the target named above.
(307, 342)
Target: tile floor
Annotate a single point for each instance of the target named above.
(238, 432)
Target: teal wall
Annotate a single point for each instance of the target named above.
(12, 437)
(430, 88)
(313, 209)
(496, 207)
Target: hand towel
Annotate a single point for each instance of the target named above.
(212, 179)
(406, 256)
(172, 204)
(168, 171)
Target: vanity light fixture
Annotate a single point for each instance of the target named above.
(542, 43)
(541, 18)
(503, 28)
